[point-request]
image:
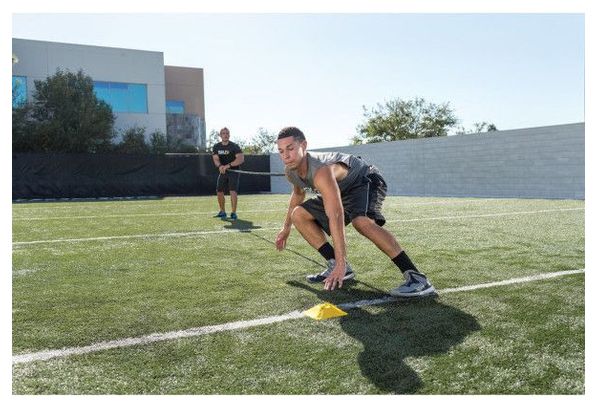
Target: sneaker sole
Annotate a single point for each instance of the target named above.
(318, 280)
(425, 292)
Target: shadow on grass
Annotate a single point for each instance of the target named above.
(316, 262)
(241, 225)
(403, 329)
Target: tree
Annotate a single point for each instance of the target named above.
(24, 135)
(158, 143)
(405, 119)
(264, 142)
(65, 116)
(181, 146)
(133, 141)
(478, 127)
(212, 138)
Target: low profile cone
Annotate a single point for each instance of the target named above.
(324, 311)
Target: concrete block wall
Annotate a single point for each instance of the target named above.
(541, 162)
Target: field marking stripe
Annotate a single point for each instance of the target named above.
(179, 234)
(171, 234)
(512, 281)
(21, 218)
(171, 214)
(106, 204)
(153, 338)
(178, 204)
(525, 279)
(243, 324)
(448, 217)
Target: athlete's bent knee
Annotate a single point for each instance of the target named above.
(362, 224)
(299, 214)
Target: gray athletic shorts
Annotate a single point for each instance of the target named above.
(227, 182)
(362, 199)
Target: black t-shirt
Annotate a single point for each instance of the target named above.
(227, 153)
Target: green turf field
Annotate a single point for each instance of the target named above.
(91, 272)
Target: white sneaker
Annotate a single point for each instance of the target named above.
(331, 264)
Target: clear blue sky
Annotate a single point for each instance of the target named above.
(316, 71)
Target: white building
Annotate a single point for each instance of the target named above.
(135, 83)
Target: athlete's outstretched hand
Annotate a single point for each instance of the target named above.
(335, 279)
(282, 238)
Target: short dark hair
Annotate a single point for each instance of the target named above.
(224, 129)
(292, 131)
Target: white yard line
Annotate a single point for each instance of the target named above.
(513, 281)
(449, 217)
(267, 227)
(243, 324)
(170, 234)
(282, 209)
(446, 202)
(106, 204)
(170, 214)
(46, 205)
(152, 338)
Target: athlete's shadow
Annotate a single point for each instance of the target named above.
(409, 328)
(241, 225)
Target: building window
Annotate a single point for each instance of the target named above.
(19, 91)
(174, 106)
(124, 98)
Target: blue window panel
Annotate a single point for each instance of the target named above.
(126, 98)
(137, 98)
(19, 91)
(119, 86)
(118, 95)
(173, 106)
(102, 91)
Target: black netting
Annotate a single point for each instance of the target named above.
(38, 175)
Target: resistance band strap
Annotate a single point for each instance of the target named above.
(257, 173)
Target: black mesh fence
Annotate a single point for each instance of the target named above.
(42, 176)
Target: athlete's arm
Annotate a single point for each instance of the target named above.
(216, 160)
(239, 159)
(325, 181)
(296, 197)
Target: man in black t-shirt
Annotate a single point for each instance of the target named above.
(227, 155)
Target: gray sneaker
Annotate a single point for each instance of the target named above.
(416, 284)
(331, 264)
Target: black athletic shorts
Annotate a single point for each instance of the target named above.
(364, 198)
(227, 182)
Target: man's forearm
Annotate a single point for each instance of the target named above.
(336, 220)
(237, 161)
(295, 200)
